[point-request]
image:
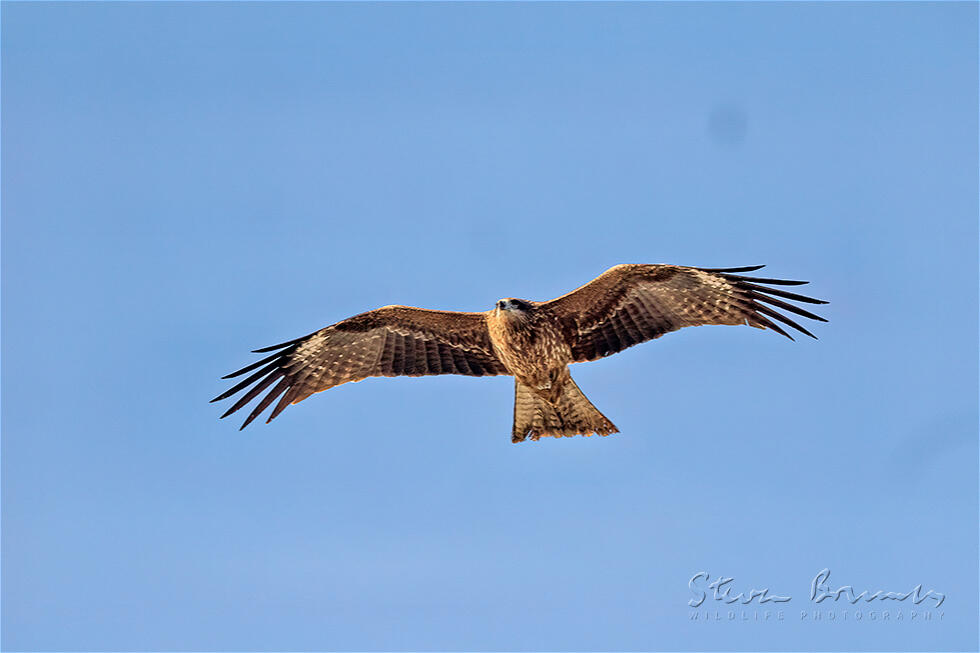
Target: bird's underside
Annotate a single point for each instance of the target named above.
(532, 341)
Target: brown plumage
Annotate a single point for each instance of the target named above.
(532, 341)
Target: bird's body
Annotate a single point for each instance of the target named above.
(534, 348)
(532, 341)
(529, 343)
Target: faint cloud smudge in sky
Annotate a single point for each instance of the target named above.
(727, 124)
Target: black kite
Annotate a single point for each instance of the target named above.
(532, 341)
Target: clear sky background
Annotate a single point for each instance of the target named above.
(185, 182)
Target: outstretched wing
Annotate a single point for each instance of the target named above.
(389, 341)
(630, 304)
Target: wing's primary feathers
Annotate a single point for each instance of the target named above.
(389, 341)
(630, 304)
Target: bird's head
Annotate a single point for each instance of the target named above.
(511, 307)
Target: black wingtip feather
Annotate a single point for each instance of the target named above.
(284, 402)
(257, 363)
(279, 346)
(775, 282)
(747, 268)
(789, 307)
(241, 385)
(769, 324)
(779, 293)
(256, 390)
(782, 318)
(266, 400)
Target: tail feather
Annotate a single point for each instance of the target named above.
(570, 414)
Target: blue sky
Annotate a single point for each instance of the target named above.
(185, 182)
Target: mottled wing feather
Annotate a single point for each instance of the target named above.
(630, 304)
(389, 341)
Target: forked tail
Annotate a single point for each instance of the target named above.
(570, 414)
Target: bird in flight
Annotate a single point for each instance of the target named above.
(532, 341)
